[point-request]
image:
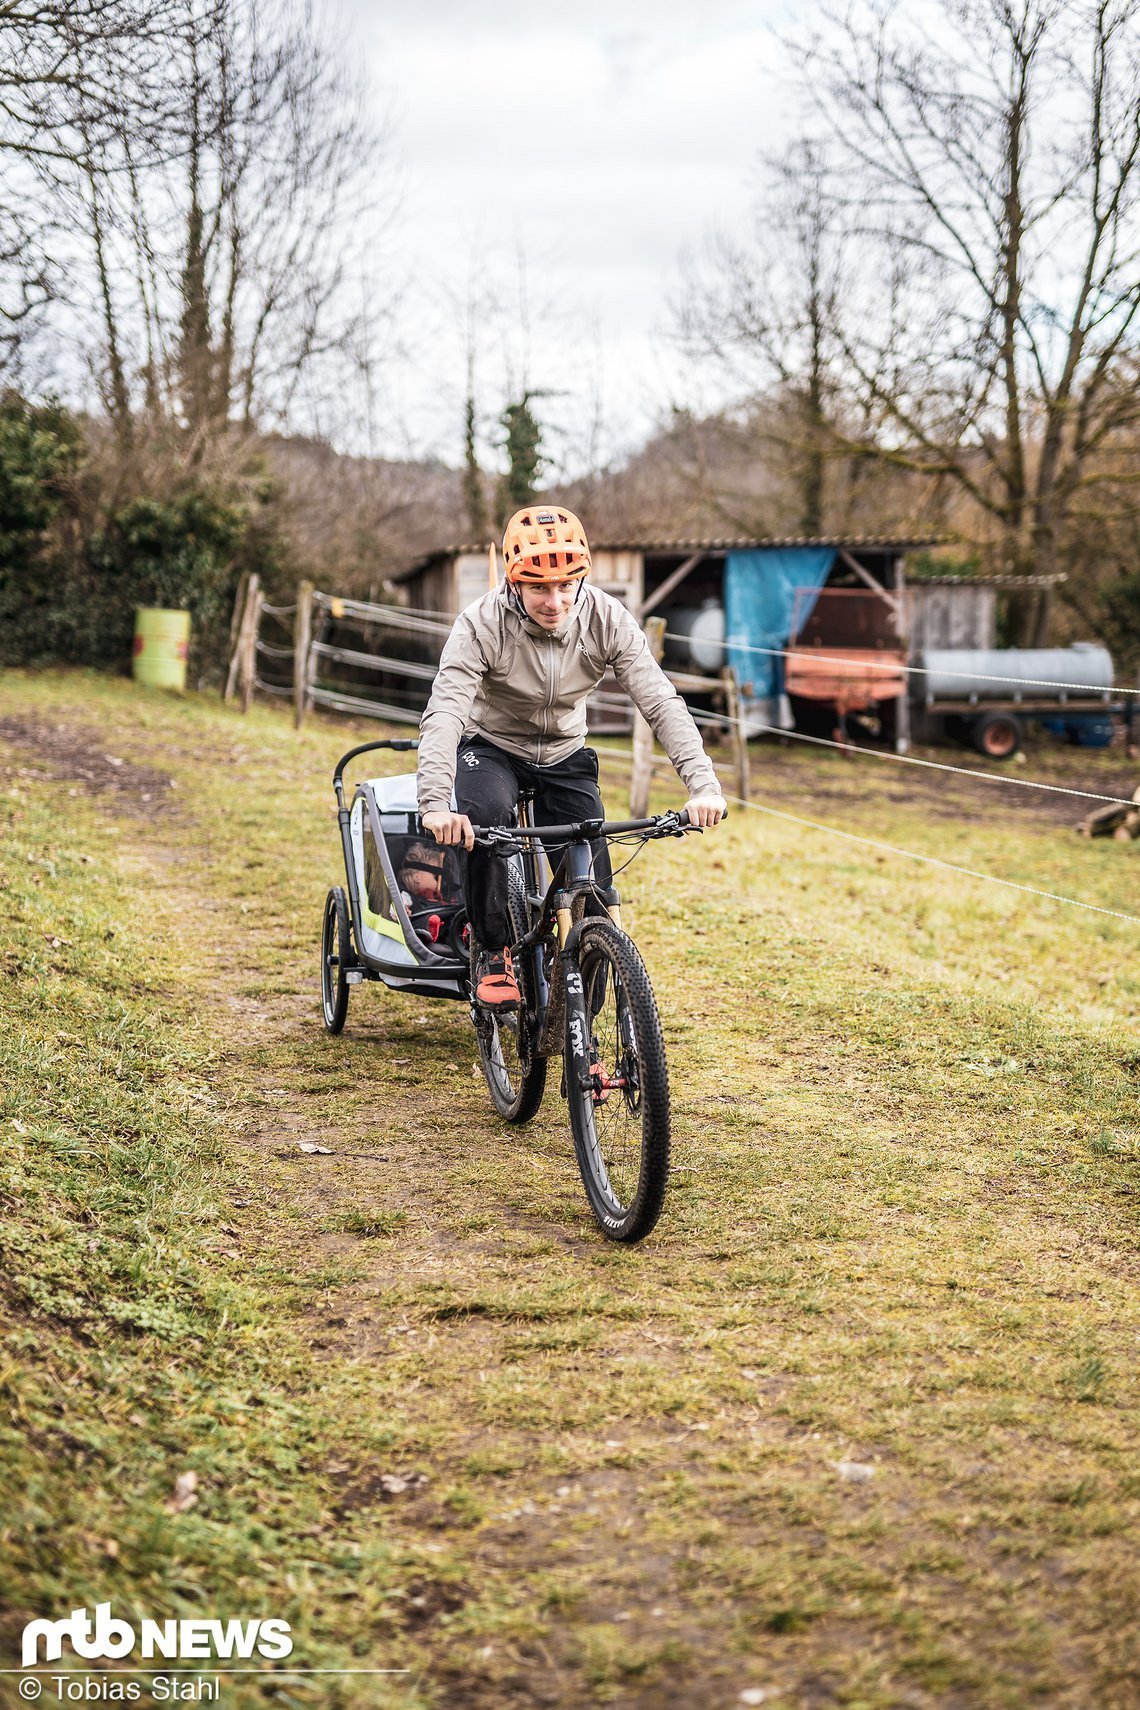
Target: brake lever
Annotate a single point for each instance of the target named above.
(670, 826)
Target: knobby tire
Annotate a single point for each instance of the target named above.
(621, 1135)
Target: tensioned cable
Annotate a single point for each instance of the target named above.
(1086, 689)
(374, 661)
(396, 617)
(884, 754)
(936, 861)
(942, 766)
(911, 854)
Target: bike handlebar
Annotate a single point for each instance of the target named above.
(661, 825)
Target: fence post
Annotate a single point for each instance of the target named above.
(302, 637)
(734, 707)
(247, 640)
(235, 634)
(641, 775)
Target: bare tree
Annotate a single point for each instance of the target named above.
(975, 168)
(216, 192)
(769, 314)
(56, 95)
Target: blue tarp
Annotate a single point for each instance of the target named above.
(759, 595)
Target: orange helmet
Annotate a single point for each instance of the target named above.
(545, 543)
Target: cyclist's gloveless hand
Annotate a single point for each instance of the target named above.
(703, 810)
(449, 828)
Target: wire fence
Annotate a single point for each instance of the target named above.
(882, 847)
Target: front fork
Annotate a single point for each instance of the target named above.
(578, 1062)
(581, 1056)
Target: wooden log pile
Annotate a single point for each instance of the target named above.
(1113, 820)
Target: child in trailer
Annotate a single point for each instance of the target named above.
(420, 875)
(508, 709)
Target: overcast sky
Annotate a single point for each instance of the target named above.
(568, 158)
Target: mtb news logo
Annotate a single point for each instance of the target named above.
(106, 1636)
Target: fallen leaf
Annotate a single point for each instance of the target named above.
(309, 1146)
(185, 1493)
(18, 1126)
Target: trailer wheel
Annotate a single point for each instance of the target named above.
(997, 735)
(336, 959)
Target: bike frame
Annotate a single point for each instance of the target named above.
(554, 906)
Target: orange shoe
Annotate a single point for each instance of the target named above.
(497, 985)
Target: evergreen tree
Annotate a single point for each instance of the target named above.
(519, 486)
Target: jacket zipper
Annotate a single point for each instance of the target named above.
(551, 695)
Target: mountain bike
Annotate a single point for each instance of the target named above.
(585, 996)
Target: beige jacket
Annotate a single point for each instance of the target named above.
(523, 688)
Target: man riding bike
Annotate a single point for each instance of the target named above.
(508, 710)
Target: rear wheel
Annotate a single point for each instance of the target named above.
(619, 1110)
(997, 734)
(336, 958)
(514, 1072)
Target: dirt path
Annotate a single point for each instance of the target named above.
(808, 1447)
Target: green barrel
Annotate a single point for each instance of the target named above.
(162, 640)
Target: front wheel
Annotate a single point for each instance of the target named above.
(336, 956)
(617, 1083)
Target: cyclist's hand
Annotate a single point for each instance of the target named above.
(705, 810)
(449, 828)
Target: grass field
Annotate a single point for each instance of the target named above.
(857, 1426)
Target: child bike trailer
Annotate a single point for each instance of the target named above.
(400, 917)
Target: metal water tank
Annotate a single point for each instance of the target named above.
(1010, 673)
(694, 637)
